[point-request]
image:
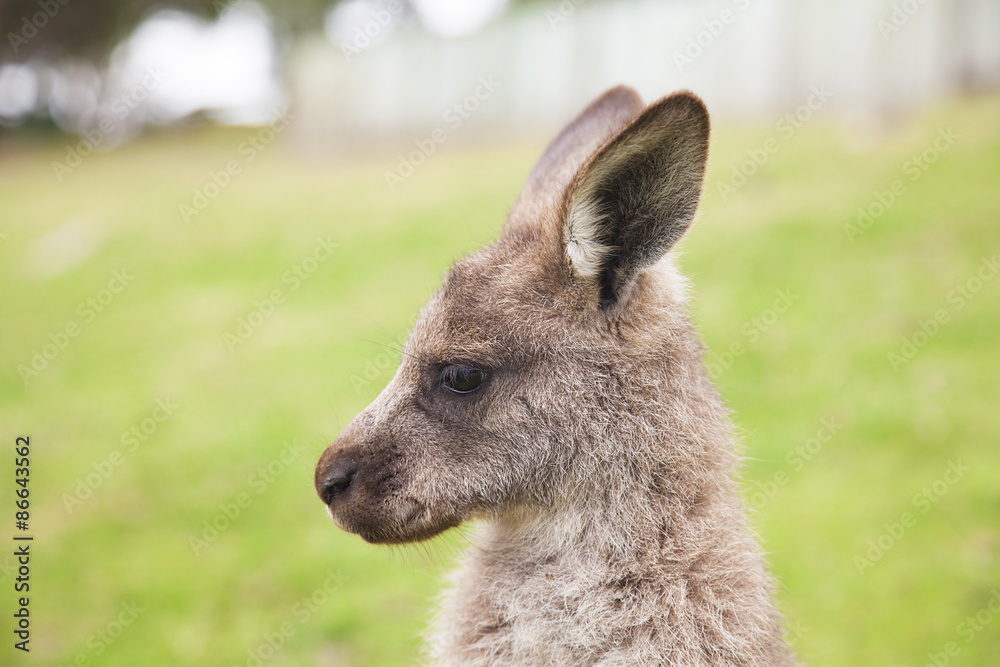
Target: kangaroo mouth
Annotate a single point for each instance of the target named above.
(367, 492)
(411, 522)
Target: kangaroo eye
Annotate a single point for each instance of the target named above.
(462, 379)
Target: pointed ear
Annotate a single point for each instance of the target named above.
(636, 196)
(563, 158)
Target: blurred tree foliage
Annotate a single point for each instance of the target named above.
(90, 29)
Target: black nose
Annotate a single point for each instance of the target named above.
(336, 480)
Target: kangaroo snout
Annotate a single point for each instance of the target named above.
(355, 484)
(363, 481)
(334, 473)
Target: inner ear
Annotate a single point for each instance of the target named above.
(636, 196)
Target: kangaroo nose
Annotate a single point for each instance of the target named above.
(335, 479)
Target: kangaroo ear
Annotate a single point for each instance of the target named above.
(563, 158)
(637, 195)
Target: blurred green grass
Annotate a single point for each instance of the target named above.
(326, 351)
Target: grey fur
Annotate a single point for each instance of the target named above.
(597, 458)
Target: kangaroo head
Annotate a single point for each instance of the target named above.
(529, 371)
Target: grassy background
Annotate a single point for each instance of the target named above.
(280, 572)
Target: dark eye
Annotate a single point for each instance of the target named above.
(462, 379)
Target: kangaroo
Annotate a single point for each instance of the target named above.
(553, 390)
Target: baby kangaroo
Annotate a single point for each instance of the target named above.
(553, 390)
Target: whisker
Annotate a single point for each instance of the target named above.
(372, 320)
(397, 349)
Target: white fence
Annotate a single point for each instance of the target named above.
(745, 57)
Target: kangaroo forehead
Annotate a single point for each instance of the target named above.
(488, 308)
(502, 280)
